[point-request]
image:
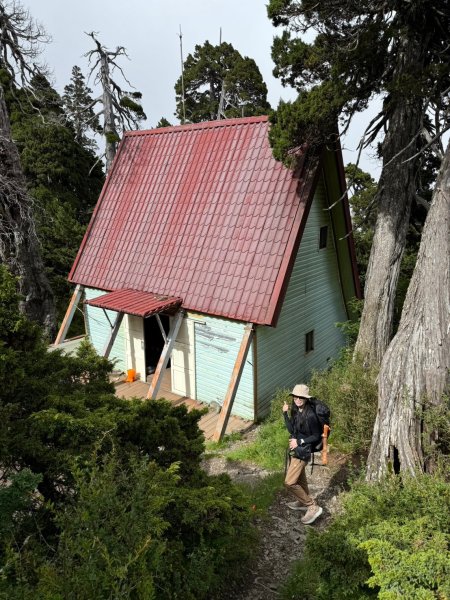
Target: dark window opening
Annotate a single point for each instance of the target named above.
(309, 341)
(323, 238)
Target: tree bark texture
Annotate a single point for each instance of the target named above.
(19, 246)
(415, 368)
(396, 191)
(109, 123)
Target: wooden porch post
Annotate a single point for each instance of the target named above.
(112, 336)
(165, 355)
(224, 414)
(69, 315)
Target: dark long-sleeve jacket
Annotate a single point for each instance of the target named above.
(303, 425)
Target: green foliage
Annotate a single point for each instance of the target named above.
(78, 107)
(112, 535)
(436, 434)
(163, 122)
(130, 104)
(350, 390)
(351, 328)
(215, 72)
(112, 137)
(336, 78)
(390, 541)
(363, 189)
(16, 500)
(262, 492)
(62, 176)
(107, 497)
(269, 448)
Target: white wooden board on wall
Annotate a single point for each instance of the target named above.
(183, 361)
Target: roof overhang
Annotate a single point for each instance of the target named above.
(133, 302)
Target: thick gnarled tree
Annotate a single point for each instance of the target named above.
(19, 247)
(415, 369)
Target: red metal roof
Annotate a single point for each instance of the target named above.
(202, 212)
(133, 302)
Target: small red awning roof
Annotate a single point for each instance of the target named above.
(132, 302)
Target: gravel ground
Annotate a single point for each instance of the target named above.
(282, 535)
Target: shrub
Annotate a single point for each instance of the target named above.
(350, 390)
(137, 532)
(390, 541)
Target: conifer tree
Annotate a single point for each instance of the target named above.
(220, 83)
(77, 102)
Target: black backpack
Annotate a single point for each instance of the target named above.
(323, 415)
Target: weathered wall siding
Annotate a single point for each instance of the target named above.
(183, 360)
(98, 330)
(313, 301)
(217, 342)
(134, 344)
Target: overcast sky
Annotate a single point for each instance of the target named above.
(149, 29)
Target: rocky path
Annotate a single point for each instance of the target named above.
(282, 535)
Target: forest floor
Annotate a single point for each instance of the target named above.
(281, 534)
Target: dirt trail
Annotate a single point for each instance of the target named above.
(282, 535)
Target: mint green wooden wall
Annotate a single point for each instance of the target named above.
(98, 330)
(313, 301)
(217, 342)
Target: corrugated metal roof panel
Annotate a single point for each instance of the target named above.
(203, 212)
(133, 302)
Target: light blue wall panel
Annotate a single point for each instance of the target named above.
(98, 330)
(217, 343)
(313, 301)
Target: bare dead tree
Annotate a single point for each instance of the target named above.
(20, 43)
(120, 109)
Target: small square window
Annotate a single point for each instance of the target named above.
(309, 341)
(323, 238)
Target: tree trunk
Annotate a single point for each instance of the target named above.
(416, 366)
(395, 193)
(109, 124)
(19, 246)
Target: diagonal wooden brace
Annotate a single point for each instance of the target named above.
(165, 355)
(69, 315)
(112, 336)
(224, 414)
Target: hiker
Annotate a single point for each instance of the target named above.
(304, 429)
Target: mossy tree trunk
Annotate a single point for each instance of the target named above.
(415, 368)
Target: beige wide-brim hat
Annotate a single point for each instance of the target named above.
(301, 390)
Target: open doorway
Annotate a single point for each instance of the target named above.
(154, 341)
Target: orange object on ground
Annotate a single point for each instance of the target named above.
(131, 376)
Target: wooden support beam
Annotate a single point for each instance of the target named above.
(165, 355)
(161, 328)
(112, 336)
(69, 315)
(224, 414)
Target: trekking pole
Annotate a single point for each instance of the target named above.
(324, 453)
